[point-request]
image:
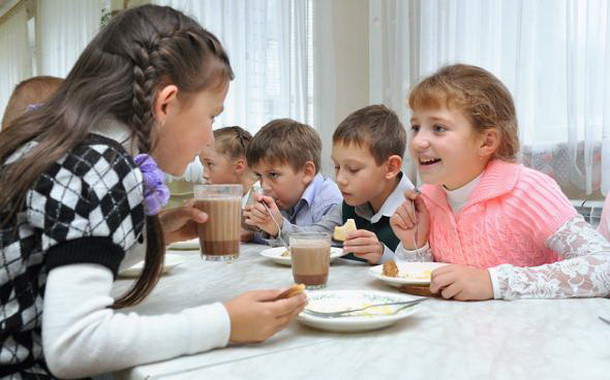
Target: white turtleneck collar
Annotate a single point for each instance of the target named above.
(457, 198)
(112, 128)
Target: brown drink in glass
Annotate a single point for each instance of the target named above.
(310, 254)
(219, 236)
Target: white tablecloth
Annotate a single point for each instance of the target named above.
(536, 339)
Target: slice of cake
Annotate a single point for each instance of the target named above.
(341, 232)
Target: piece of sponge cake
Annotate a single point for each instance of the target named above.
(341, 232)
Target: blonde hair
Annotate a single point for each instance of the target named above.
(285, 141)
(29, 92)
(232, 141)
(481, 96)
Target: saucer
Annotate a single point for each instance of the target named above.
(409, 273)
(338, 300)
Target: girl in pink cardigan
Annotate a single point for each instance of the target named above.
(508, 230)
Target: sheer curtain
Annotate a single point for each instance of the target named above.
(14, 52)
(279, 71)
(553, 55)
(64, 28)
(267, 42)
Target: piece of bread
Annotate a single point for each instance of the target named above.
(390, 269)
(291, 291)
(341, 232)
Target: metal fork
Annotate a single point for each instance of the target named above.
(604, 319)
(346, 313)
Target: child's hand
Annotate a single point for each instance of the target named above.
(461, 283)
(180, 223)
(257, 215)
(410, 221)
(255, 316)
(364, 244)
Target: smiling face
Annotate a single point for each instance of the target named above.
(282, 182)
(358, 176)
(186, 125)
(446, 148)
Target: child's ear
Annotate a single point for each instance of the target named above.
(240, 165)
(490, 141)
(393, 166)
(309, 171)
(166, 98)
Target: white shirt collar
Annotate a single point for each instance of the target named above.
(395, 199)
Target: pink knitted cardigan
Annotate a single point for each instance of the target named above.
(506, 220)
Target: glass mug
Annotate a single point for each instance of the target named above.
(219, 236)
(310, 255)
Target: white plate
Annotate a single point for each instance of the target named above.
(371, 319)
(185, 245)
(170, 262)
(412, 273)
(275, 254)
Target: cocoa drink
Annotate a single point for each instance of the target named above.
(219, 236)
(310, 254)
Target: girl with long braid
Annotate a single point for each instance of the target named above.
(80, 191)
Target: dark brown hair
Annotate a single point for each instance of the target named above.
(482, 97)
(377, 127)
(118, 74)
(31, 91)
(232, 141)
(285, 141)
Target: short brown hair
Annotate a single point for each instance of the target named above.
(232, 141)
(28, 92)
(483, 98)
(285, 141)
(376, 126)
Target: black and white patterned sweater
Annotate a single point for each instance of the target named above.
(87, 208)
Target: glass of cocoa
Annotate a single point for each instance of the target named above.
(219, 236)
(310, 255)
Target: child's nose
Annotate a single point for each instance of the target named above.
(340, 178)
(420, 141)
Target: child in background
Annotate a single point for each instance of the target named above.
(285, 156)
(225, 162)
(75, 202)
(509, 230)
(368, 147)
(29, 93)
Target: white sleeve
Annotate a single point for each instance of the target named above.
(421, 254)
(583, 272)
(82, 336)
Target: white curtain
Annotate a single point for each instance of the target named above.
(553, 55)
(64, 28)
(14, 52)
(267, 43)
(279, 71)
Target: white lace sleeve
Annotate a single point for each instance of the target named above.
(421, 254)
(583, 272)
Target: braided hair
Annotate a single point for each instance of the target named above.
(118, 75)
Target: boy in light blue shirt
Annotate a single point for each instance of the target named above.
(285, 155)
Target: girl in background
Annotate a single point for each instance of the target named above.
(225, 160)
(508, 230)
(85, 188)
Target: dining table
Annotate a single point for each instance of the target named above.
(494, 339)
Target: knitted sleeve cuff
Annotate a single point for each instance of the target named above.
(87, 250)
